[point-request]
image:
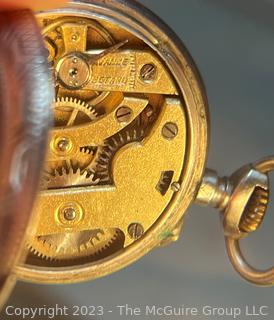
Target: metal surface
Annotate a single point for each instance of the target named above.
(195, 270)
(242, 199)
(251, 274)
(26, 97)
(148, 166)
(103, 174)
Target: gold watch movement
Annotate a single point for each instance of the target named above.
(127, 153)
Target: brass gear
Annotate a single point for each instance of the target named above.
(74, 246)
(67, 109)
(106, 153)
(135, 132)
(69, 177)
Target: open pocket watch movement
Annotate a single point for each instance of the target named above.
(127, 153)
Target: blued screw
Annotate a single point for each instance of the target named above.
(170, 130)
(135, 230)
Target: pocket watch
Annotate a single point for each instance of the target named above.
(127, 154)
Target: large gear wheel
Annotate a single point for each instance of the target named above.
(136, 132)
(70, 111)
(108, 151)
(88, 244)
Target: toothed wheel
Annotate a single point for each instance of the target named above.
(72, 245)
(136, 132)
(70, 111)
(68, 177)
(108, 151)
(77, 245)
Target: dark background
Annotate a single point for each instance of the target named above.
(232, 42)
